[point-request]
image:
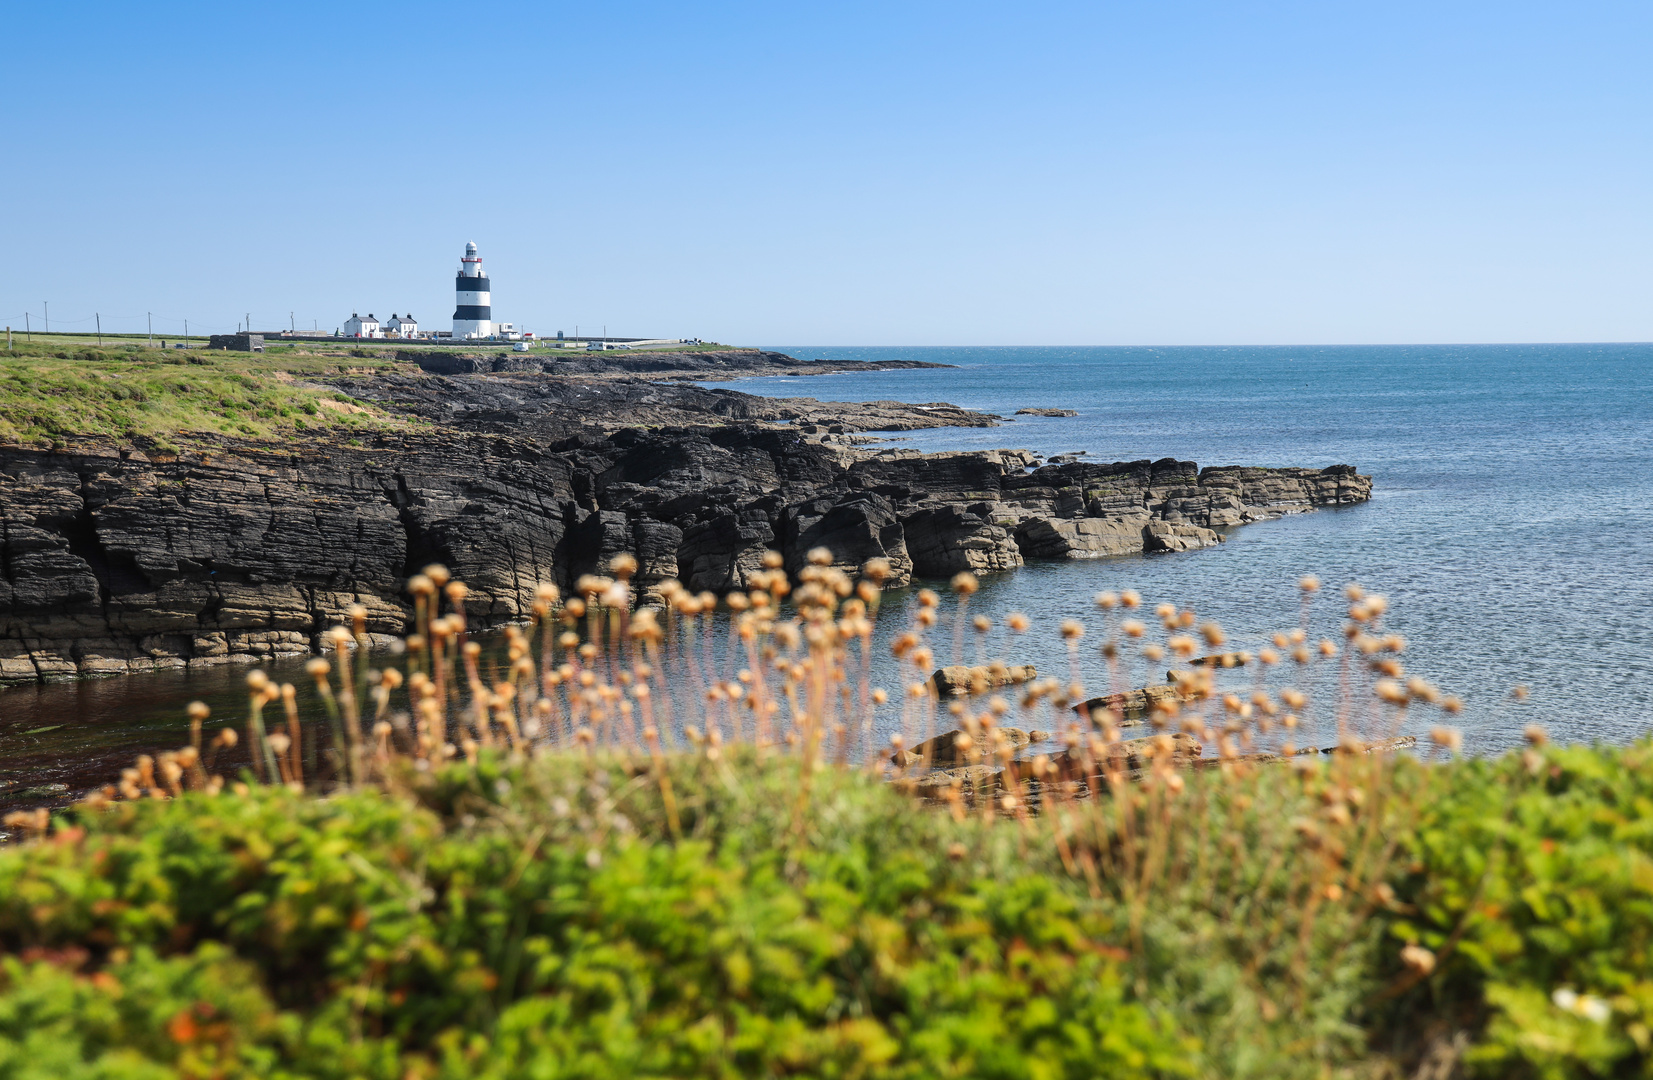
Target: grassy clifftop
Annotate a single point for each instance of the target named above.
(52, 392)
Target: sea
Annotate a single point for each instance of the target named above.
(1510, 529)
(1510, 525)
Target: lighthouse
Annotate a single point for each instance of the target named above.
(473, 311)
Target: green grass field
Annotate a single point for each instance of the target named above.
(57, 391)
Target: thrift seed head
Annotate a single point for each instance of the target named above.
(1448, 737)
(1418, 959)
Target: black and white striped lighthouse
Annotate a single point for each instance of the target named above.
(473, 311)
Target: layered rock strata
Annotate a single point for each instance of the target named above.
(111, 560)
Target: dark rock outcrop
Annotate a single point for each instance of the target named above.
(113, 560)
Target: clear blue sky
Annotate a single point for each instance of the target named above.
(1056, 173)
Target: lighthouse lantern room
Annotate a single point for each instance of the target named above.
(473, 311)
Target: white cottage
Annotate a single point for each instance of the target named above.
(357, 326)
(400, 326)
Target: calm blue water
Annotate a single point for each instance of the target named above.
(1511, 525)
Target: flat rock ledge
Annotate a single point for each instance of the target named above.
(940, 772)
(117, 560)
(1047, 412)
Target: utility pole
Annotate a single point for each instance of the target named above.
(150, 315)
(186, 333)
(249, 324)
(292, 327)
(27, 331)
(99, 318)
(47, 305)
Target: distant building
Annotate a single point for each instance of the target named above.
(473, 311)
(237, 342)
(357, 326)
(401, 326)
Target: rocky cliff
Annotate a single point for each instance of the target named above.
(114, 560)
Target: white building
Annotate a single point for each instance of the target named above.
(356, 326)
(401, 326)
(473, 299)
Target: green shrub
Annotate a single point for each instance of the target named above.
(515, 921)
(1534, 887)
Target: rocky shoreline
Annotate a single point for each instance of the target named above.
(120, 559)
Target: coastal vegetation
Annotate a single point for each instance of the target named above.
(50, 393)
(641, 843)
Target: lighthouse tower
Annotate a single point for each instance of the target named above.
(473, 311)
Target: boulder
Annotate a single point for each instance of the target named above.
(942, 751)
(946, 540)
(1164, 536)
(859, 526)
(1129, 755)
(1132, 706)
(956, 680)
(1079, 538)
(1221, 660)
(1379, 746)
(723, 553)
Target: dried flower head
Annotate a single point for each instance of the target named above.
(1418, 959)
(1449, 738)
